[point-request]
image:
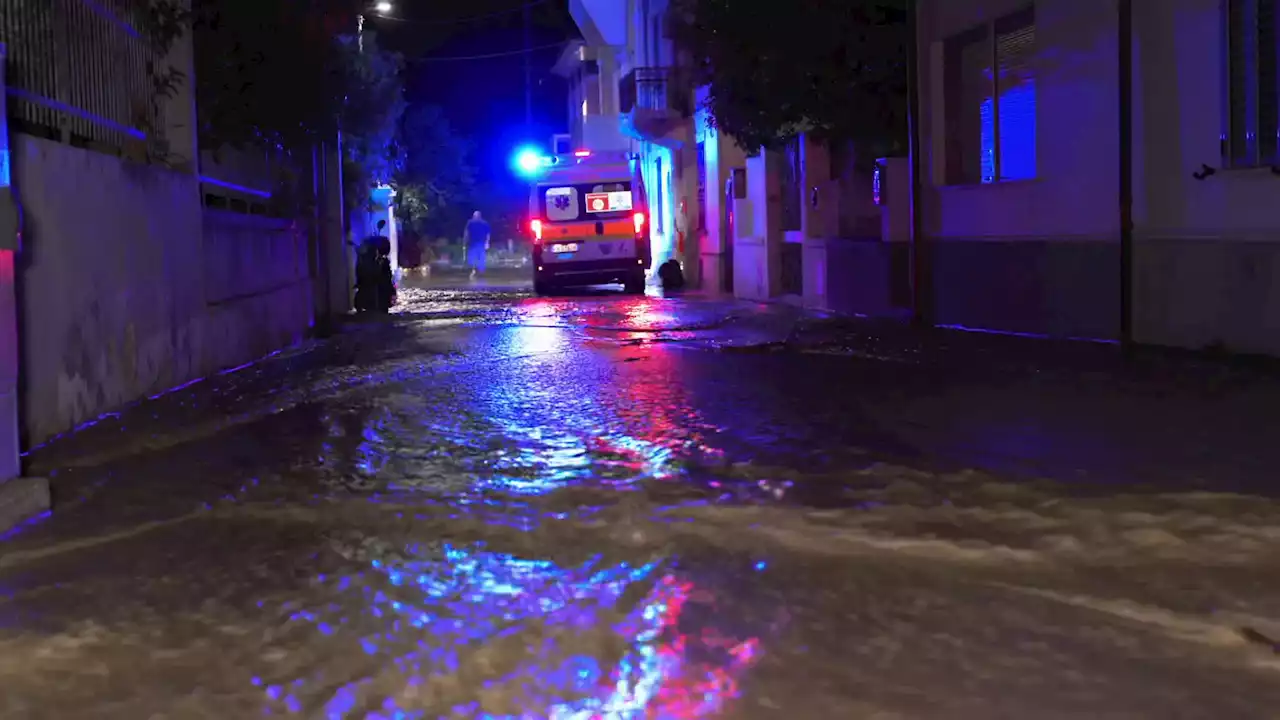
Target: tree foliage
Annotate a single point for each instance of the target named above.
(835, 68)
(288, 72)
(163, 23)
(372, 148)
(438, 179)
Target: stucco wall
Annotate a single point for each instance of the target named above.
(128, 287)
(1042, 255)
(1031, 255)
(1207, 251)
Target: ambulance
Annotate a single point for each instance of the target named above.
(588, 222)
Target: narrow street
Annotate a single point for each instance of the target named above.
(493, 505)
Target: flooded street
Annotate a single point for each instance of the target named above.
(500, 506)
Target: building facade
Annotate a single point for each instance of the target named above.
(626, 68)
(1027, 171)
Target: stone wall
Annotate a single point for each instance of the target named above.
(127, 286)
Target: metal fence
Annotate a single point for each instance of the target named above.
(80, 71)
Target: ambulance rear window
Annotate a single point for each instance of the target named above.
(590, 201)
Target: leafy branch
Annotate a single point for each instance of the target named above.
(162, 24)
(833, 68)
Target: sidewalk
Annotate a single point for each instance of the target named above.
(1038, 407)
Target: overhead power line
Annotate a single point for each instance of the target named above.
(486, 56)
(463, 20)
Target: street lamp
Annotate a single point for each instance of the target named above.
(382, 7)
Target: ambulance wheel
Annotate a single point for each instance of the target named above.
(542, 288)
(634, 285)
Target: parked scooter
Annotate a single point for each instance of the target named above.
(375, 286)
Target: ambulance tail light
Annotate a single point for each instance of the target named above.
(638, 220)
(535, 228)
(582, 153)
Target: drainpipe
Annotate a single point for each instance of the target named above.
(921, 277)
(1125, 23)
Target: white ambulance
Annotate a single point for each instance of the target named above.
(588, 221)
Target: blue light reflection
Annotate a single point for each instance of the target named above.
(469, 632)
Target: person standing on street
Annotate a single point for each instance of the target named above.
(476, 237)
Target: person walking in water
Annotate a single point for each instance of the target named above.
(476, 237)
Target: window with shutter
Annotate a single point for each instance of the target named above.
(1252, 97)
(990, 102)
(1016, 96)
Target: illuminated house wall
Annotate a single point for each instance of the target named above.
(1037, 249)
(1207, 252)
(625, 38)
(592, 104)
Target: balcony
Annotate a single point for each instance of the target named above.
(653, 103)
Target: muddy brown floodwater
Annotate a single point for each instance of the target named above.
(496, 506)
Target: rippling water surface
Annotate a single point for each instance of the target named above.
(493, 506)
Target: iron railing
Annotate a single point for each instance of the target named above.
(651, 88)
(79, 71)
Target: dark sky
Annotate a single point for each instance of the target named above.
(483, 98)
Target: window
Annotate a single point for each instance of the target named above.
(590, 201)
(991, 116)
(1251, 122)
(561, 204)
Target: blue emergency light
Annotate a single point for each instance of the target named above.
(528, 161)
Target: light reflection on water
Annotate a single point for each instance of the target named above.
(548, 641)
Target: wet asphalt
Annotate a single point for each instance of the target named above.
(492, 505)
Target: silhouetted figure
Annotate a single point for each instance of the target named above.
(671, 275)
(386, 278)
(476, 237)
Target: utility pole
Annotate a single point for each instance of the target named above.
(921, 267)
(1125, 63)
(528, 70)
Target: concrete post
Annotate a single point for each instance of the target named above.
(607, 59)
(758, 237)
(818, 218)
(686, 219)
(337, 251)
(20, 498)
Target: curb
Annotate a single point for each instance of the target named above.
(22, 498)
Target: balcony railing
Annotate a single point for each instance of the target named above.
(651, 88)
(79, 71)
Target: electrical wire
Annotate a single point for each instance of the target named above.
(461, 20)
(509, 53)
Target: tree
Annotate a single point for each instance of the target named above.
(834, 68)
(286, 74)
(437, 180)
(371, 114)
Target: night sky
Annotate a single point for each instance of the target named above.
(483, 98)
